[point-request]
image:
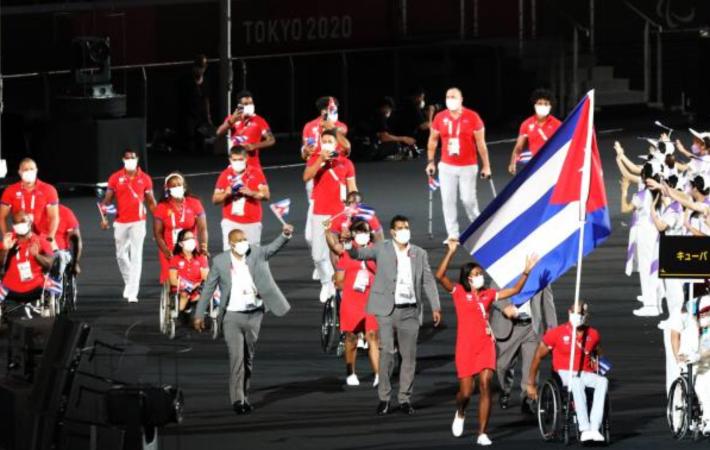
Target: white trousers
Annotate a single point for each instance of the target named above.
(702, 390)
(586, 421)
(457, 180)
(674, 295)
(319, 249)
(672, 368)
(252, 231)
(129, 239)
(647, 253)
(309, 231)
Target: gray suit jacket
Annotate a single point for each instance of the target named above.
(543, 315)
(258, 262)
(381, 301)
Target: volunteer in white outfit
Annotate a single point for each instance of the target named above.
(681, 338)
(462, 136)
(131, 189)
(240, 189)
(699, 153)
(698, 203)
(667, 216)
(643, 235)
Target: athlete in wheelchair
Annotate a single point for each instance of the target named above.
(27, 257)
(67, 257)
(188, 269)
(557, 412)
(689, 394)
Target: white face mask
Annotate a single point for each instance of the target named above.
(130, 164)
(333, 117)
(402, 236)
(576, 320)
(248, 110)
(29, 176)
(476, 282)
(453, 104)
(422, 104)
(21, 228)
(177, 192)
(328, 147)
(189, 245)
(362, 239)
(241, 248)
(238, 165)
(542, 110)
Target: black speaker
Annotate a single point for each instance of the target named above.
(28, 339)
(15, 415)
(88, 151)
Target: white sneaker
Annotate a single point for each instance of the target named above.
(361, 342)
(133, 300)
(326, 291)
(376, 381)
(483, 440)
(639, 298)
(457, 425)
(315, 275)
(647, 311)
(597, 436)
(586, 436)
(352, 380)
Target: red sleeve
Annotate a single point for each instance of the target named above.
(261, 178)
(222, 181)
(350, 173)
(113, 182)
(313, 159)
(491, 297)
(174, 261)
(197, 206)
(523, 128)
(436, 123)
(477, 122)
(52, 196)
(70, 219)
(305, 134)
(203, 262)
(556, 122)
(6, 196)
(342, 263)
(375, 224)
(159, 212)
(264, 125)
(148, 182)
(336, 224)
(550, 338)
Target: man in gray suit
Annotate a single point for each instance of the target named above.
(518, 332)
(248, 290)
(402, 281)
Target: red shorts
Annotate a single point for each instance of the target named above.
(353, 318)
(472, 360)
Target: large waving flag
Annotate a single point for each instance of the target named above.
(540, 210)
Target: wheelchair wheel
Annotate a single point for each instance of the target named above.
(329, 326)
(163, 312)
(173, 312)
(678, 410)
(606, 423)
(549, 411)
(69, 294)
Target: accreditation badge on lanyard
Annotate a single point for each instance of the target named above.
(484, 314)
(24, 268)
(362, 279)
(177, 230)
(454, 145)
(23, 206)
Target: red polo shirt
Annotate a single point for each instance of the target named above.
(249, 131)
(189, 269)
(253, 177)
(22, 263)
(330, 184)
(130, 194)
(558, 340)
(33, 201)
(538, 133)
(67, 223)
(461, 128)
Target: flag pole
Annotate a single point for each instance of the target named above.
(431, 214)
(273, 210)
(583, 195)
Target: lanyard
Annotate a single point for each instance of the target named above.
(335, 176)
(130, 187)
(458, 127)
(32, 202)
(542, 133)
(182, 216)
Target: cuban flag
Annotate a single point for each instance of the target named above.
(281, 207)
(107, 209)
(186, 285)
(3, 292)
(53, 286)
(365, 212)
(539, 211)
(433, 184)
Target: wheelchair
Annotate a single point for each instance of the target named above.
(330, 336)
(683, 410)
(556, 416)
(170, 312)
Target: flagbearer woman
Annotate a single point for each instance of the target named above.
(188, 269)
(475, 343)
(240, 189)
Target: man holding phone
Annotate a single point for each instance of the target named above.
(463, 137)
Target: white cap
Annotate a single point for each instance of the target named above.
(699, 134)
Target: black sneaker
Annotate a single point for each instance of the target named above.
(407, 408)
(503, 400)
(383, 408)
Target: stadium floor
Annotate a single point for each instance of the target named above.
(298, 392)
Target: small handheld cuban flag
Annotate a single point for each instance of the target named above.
(107, 209)
(53, 286)
(3, 292)
(365, 212)
(433, 184)
(604, 365)
(281, 207)
(216, 297)
(186, 285)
